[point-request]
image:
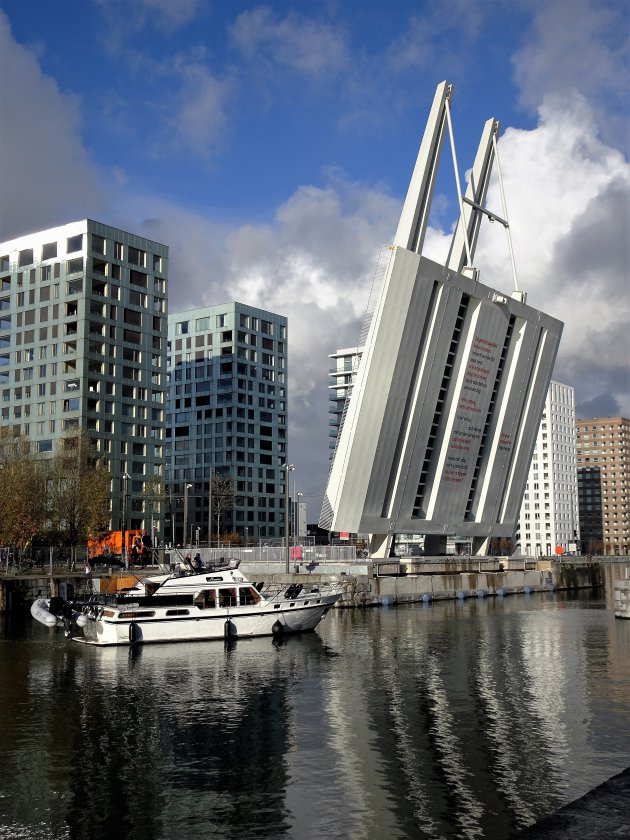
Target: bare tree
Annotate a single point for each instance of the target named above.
(78, 491)
(222, 498)
(154, 495)
(22, 491)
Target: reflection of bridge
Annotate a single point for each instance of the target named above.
(439, 426)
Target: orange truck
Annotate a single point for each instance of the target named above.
(111, 545)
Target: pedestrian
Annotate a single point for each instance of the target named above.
(88, 575)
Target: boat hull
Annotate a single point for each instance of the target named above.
(146, 626)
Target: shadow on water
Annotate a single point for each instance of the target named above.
(466, 719)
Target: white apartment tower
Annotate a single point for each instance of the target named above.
(83, 325)
(549, 519)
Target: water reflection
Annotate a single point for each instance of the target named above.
(461, 719)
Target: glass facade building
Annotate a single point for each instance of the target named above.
(226, 418)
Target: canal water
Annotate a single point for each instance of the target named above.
(456, 719)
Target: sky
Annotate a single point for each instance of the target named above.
(270, 146)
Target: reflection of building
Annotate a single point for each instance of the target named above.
(341, 378)
(549, 514)
(227, 416)
(603, 465)
(438, 431)
(83, 345)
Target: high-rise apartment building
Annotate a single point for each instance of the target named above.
(227, 417)
(83, 325)
(603, 465)
(341, 378)
(549, 517)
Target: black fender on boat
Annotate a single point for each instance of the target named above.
(277, 628)
(135, 633)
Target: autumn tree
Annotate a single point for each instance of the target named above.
(22, 491)
(78, 491)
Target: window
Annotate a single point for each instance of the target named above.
(136, 257)
(49, 251)
(75, 243)
(133, 317)
(25, 257)
(72, 266)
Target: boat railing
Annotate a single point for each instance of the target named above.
(282, 592)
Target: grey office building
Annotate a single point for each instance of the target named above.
(226, 416)
(83, 345)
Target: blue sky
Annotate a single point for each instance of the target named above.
(271, 145)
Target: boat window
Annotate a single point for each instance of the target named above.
(177, 612)
(248, 595)
(137, 614)
(227, 597)
(108, 613)
(206, 599)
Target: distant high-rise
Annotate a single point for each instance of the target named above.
(603, 466)
(83, 346)
(549, 513)
(227, 416)
(341, 378)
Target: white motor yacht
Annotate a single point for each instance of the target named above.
(191, 606)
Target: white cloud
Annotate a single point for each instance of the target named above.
(164, 15)
(170, 13)
(438, 37)
(199, 120)
(578, 45)
(568, 199)
(46, 175)
(304, 45)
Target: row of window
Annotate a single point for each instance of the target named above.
(74, 244)
(204, 324)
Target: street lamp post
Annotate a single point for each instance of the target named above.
(210, 511)
(185, 532)
(125, 557)
(297, 519)
(170, 504)
(288, 468)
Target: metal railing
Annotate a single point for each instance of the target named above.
(303, 554)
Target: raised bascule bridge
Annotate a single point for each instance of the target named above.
(438, 430)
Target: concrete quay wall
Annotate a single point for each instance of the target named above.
(622, 599)
(363, 588)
